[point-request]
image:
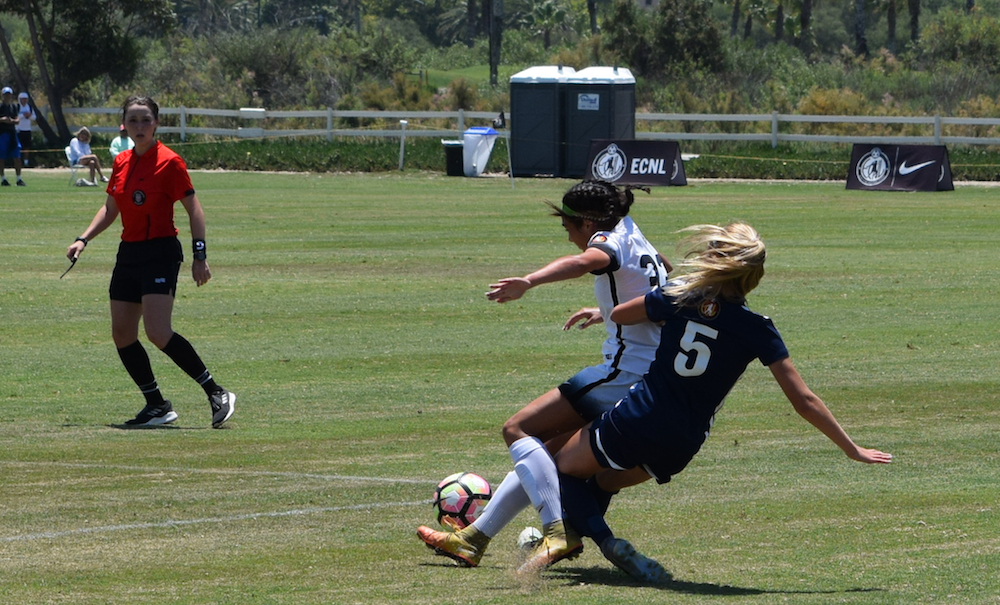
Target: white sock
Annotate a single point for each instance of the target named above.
(508, 500)
(539, 477)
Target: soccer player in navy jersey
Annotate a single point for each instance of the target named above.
(145, 183)
(709, 336)
(625, 265)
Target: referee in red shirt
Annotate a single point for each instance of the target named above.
(145, 184)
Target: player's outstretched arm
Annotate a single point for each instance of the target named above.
(811, 407)
(567, 267)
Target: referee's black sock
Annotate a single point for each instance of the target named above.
(136, 362)
(183, 354)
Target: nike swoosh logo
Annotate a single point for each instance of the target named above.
(905, 170)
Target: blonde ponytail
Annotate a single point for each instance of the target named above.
(726, 262)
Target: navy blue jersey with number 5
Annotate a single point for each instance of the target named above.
(703, 352)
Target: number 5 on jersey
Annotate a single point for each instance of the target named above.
(693, 358)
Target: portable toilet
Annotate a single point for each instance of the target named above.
(598, 103)
(536, 120)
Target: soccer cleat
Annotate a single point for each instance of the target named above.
(558, 542)
(223, 404)
(628, 559)
(4, 183)
(104, 179)
(465, 546)
(150, 415)
(21, 183)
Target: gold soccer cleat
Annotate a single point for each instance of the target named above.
(558, 542)
(465, 546)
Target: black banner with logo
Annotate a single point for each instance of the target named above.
(632, 162)
(900, 168)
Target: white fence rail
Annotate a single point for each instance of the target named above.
(774, 128)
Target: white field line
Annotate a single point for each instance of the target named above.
(49, 535)
(209, 471)
(227, 519)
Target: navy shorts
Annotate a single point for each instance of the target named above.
(627, 437)
(149, 267)
(10, 145)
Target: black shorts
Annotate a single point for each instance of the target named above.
(149, 267)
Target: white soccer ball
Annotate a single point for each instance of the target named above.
(528, 537)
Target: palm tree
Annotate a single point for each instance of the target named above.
(546, 17)
(914, 6)
(804, 41)
(860, 33)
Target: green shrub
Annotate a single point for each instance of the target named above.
(973, 39)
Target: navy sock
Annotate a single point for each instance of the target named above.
(136, 363)
(582, 510)
(603, 498)
(183, 354)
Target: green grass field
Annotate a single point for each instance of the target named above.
(347, 312)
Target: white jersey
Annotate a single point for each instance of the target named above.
(636, 268)
(27, 117)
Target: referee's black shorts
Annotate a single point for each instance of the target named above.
(149, 267)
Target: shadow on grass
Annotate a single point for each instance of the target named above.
(612, 577)
(162, 427)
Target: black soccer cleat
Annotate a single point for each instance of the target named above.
(223, 404)
(151, 416)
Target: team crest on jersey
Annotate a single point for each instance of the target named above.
(709, 309)
(139, 198)
(600, 238)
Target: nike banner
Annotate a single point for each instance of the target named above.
(900, 168)
(631, 162)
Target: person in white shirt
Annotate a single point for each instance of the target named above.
(121, 143)
(24, 125)
(79, 153)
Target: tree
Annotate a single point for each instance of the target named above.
(547, 16)
(82, 41)
(860, 31)
(685, 34)
(470, 23)
(890, 22)
(804, 41)
(627, 35)
(496, 39)
(914, 6)
(779, 21)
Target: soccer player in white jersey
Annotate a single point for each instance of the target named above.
(625, 265)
